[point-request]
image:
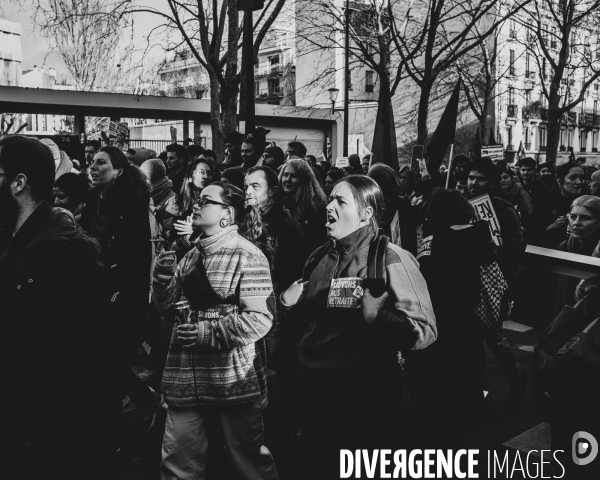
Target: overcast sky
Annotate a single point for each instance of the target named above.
(35, 47)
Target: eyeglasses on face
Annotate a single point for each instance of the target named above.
(207, 201)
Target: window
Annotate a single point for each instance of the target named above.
(527, 65)
(274, 89)
(511, 95)
(511, 67)
(542, 137)
(595, 107)
(369, 82)
(274, 60)
(569, 138)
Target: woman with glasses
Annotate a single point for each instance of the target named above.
(199, 175)
(216, 367)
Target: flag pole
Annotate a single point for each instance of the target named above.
(449, 164)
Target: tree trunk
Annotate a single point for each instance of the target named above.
(423, 114)
(553, 128)
(216, 122)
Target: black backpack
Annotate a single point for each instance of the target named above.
(376, 276)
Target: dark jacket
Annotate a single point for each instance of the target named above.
(511, 253)
(289, 245)
(407, 218)
(556, 205)
(120, 222)
(338, 336)
(177, 177)
(538, 193)
(52, 333)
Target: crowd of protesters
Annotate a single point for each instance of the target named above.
(349, 283)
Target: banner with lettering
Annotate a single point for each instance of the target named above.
(485, 211)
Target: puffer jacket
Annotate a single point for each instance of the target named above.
(229, 359)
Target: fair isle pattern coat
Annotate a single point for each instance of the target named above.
(227, 366)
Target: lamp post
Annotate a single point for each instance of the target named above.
(247, 117)
(333, 95)
(346, 74)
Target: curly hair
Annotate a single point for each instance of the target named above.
(189, 192)
(309, 198)
(247, 218)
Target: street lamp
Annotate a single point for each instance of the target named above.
(333, 95)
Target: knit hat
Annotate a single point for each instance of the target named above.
(235, 176)
(54, 149)
(140, 155)
(234, 137)
(276, 153)
(154, 169)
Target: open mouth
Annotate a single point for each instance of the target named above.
(330, 220)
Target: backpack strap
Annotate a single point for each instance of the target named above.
(314, 259)
(376, 273)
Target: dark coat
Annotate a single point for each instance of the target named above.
(511, 253)
(57, 377)
(289, 245)
(120, 222)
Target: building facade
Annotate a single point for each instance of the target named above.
(520, 106)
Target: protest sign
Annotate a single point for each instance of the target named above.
(342, 162)
(173, 134)
(493, 152)
(345, 293)
(485, 211)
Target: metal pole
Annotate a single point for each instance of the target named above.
(247, 111)
(346, 75)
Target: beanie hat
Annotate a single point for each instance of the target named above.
(54, 149)
(140, 155)
(235, 176)
(276, 153)
(154, 169)
(234, 137)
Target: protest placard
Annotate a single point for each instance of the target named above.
(485, 211)
(493, 152)
(342, 162)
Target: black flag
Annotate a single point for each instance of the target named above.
(475, 153)
(384, 148)
(444, 133)
(491, 140)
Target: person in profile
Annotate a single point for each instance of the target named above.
(59, 393)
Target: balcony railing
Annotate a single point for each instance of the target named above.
(582, 149)
(569, 149)
(542, 148)
(512, 34)
(267, 68)
(570, 117)
(528, 146)
(544, 114)
(512, 110)
(530, 75)
(510, 147)
(270, 92)
(586, 119)
(531, 111)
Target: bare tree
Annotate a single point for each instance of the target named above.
(559, 40)
(441, 32)
(482, 71)
(86, 34)
(211, 30)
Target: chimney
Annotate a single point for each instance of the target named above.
(35, 68)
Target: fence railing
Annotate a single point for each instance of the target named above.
(156, 145)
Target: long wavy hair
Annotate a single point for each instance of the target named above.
(189, 192)
(309, 198)
(246, 217)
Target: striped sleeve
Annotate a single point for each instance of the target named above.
(256, 313)
(166, 282)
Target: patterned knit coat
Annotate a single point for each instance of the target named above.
(227, 366)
